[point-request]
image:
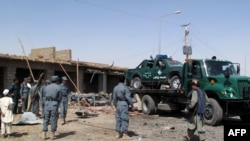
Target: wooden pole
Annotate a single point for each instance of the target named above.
(27, 61)
(69, 77)
(36, 92)
(77, 79)
(77, 73)
(73, 83)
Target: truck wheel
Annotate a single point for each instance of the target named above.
(213, 114)
(148, 105)
(245, 118)
(136, 83)
(175, 82)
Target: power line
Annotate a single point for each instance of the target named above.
(115, 10)
(209, 46)
(121, 11)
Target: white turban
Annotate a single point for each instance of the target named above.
(5, 91)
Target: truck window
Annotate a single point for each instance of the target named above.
(173, 62)
(141, 64)
(160, 64)
(150, 64)
(220, 68)
(214, 68)
(196, 70)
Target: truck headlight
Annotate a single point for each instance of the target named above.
(231, 95)
(223, 92)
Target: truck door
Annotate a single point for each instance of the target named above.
(159, 71)
(147, 72)
(196, 70)
(187, 76)
(191, 70)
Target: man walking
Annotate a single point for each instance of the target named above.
(197, 107)
(52, 99)
(64, 101)
(122, 100)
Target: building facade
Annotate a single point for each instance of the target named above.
(84, 77)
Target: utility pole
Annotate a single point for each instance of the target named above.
(187, 49)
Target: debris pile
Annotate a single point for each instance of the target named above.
(92, 99)
(28, 118)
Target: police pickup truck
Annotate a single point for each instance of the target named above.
(155, 73)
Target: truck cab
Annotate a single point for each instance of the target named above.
(228, 92)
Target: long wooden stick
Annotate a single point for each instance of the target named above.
(27, 61)
(78, 90)
(77, 81)
(69, 77)
(36, 92)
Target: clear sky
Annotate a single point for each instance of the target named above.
(127, 31)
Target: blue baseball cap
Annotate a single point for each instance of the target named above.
(64, 78)
(54, 78)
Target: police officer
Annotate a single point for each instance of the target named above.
(65, 94)
(24, 92)
(42, 95)
(52, 99)
(122, 100)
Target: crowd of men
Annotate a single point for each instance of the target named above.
(53, 95)
(50, 95)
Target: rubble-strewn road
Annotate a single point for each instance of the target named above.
(166, 127)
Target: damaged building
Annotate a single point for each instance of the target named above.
(86, 77)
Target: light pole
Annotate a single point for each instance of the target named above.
(246, 63)
(160, 18)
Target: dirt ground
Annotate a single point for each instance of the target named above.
(164, 127)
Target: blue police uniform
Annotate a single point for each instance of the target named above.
(122, 99)
(24, 92)
(52, 99)
(64, 91)
(42, 95)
